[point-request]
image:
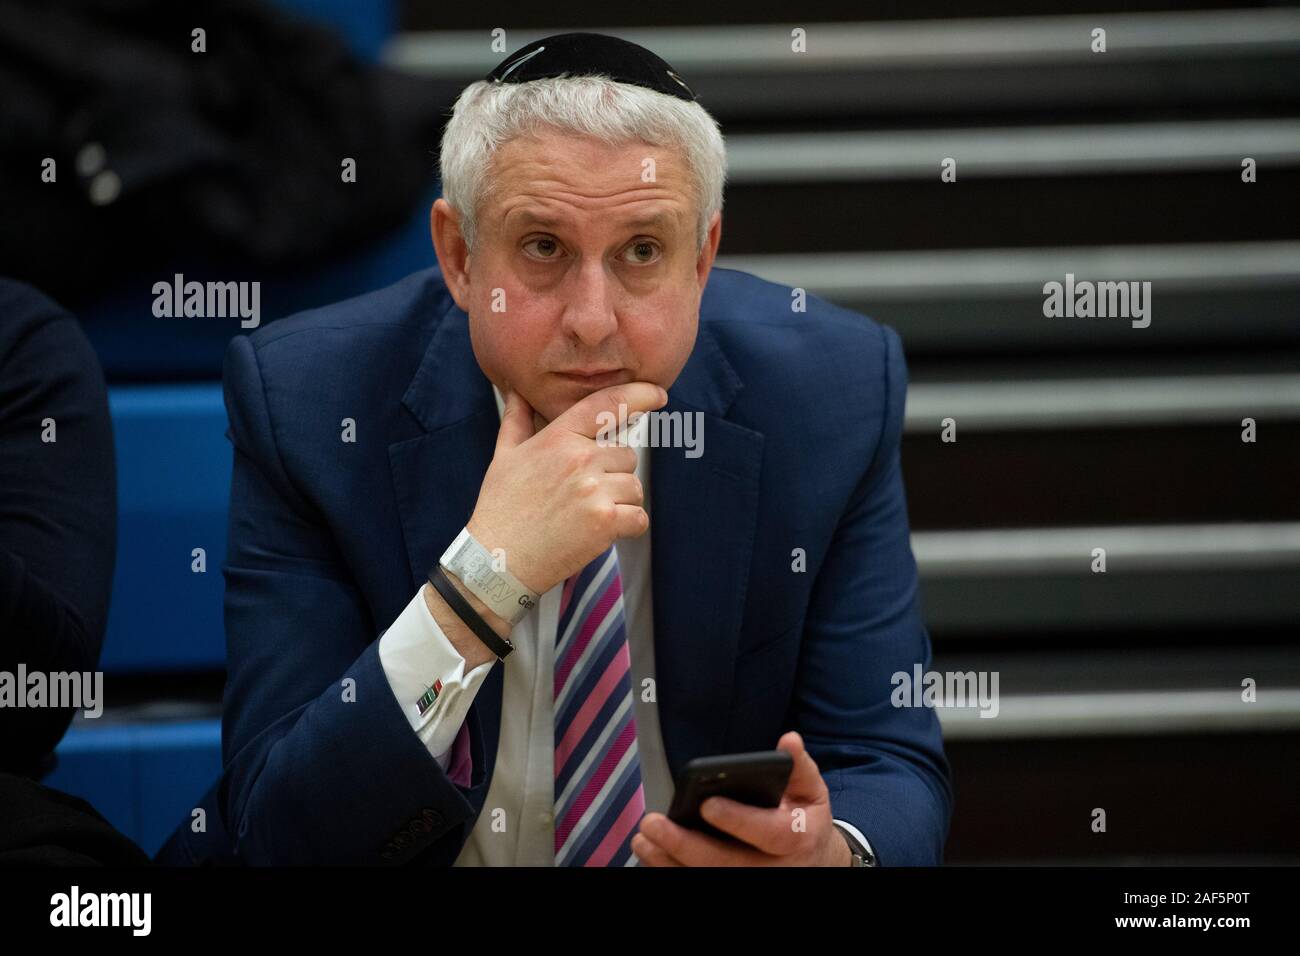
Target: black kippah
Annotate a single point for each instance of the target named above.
(584, 54)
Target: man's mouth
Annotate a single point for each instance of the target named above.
(596, 377)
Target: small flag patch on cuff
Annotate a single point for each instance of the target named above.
(430, 695)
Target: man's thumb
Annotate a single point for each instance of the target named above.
(516, 421)
(804, 776)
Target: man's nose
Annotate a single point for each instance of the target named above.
(589, 314)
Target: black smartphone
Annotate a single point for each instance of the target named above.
(757, 778)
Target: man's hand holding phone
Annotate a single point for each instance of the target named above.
(763, 836)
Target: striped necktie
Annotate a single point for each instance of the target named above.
(599, 799)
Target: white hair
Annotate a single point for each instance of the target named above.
(488, 115)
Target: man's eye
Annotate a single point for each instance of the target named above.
(548, 246)
(643, 251)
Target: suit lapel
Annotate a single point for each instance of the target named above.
(703, 513)
(437, 475)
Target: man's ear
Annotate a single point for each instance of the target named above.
(710, 250)
(453, 253)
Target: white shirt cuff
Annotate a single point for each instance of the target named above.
(428, 678)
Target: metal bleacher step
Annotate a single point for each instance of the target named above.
(988, 300)
(996, 151)
(894, 70)
(421, 15)
(1161, 738)
(1011, 212)
(1198, 527)
(1000, 450)
(995, 403)
(1023, 580)
(1131, 692)
(1137, 713)
(1056, 185)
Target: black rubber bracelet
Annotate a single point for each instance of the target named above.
(498, 645)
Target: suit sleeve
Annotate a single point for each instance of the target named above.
(429, 678)
(321, 764)
(885, 766)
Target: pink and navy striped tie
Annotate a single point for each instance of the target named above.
(599, 799)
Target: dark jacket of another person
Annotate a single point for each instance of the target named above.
(58, 510)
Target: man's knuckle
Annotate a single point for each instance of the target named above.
(594, 511)
(608, 513)
(577, 460)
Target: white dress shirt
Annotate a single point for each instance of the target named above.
(516, 826)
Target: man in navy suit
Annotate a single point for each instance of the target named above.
(532, 703)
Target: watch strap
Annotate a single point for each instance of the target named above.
(442, 583)
(861, 855)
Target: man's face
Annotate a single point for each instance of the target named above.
(585, 275)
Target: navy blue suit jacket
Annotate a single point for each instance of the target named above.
(329, 540)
